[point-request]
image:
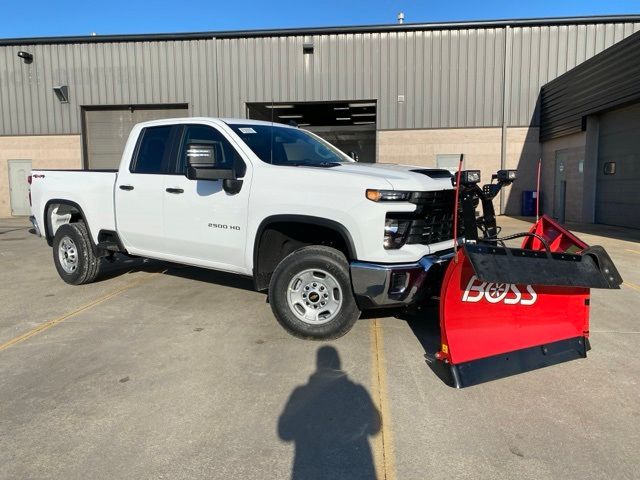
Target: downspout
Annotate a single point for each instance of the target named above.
(506, 93)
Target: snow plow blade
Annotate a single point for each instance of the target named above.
(591, 269)
(505, 311)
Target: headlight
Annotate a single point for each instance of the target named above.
(388, 195)
(395, 233)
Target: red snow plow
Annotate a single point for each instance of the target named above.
(508, 310)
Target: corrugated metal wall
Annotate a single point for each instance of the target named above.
(605, 82)
(540, 54)
(101, 74)
(449, 78)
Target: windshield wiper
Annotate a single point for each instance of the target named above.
(313, 164)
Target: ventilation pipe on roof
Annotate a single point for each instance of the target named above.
(401, 17)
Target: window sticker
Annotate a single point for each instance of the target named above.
(247, 130)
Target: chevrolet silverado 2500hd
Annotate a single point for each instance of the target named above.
(328, 237)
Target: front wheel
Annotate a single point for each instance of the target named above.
(310, 294)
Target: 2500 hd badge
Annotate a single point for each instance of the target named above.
(224, 226)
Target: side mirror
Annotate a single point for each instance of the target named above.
(353, 155)
(203, 162)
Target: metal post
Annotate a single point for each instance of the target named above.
(506, 92)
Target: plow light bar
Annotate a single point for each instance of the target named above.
(505, 176)
(469, 177)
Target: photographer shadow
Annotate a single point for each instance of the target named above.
(329, 420)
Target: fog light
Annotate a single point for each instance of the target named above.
(399, 281)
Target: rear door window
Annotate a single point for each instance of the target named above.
(153, 153)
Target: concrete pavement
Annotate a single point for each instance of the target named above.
(161, 371)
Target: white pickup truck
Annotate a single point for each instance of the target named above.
(327, 236)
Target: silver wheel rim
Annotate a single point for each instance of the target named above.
(68, 255)
(314, 296)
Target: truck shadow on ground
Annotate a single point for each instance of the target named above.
(329, 420)
(425, 325)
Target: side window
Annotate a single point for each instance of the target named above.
(153, 154)
(226, 155)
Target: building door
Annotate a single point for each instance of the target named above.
(618, 177)
(560, 188)
(106, 130)
(19, 171)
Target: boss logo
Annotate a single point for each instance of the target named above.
(507, 293)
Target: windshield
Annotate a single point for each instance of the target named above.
(289, 146)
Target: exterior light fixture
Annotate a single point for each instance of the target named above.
(278, 106)
(362, 105)
(62, 92)
(26, 56)
(307, 48)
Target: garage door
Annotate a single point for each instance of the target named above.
(618, 179)
(106, 130)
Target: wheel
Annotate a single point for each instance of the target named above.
(73, 254)
(310, 294)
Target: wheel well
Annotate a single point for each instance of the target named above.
(58, 213)
(278, 239)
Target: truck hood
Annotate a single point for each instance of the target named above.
(401, 177)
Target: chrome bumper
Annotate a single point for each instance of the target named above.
(34, 222)
(377, 285)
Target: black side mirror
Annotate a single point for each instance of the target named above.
(203, 162)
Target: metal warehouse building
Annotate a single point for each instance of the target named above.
(503, 93)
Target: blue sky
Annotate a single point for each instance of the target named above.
(77, 17)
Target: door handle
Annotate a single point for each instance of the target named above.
(126, 187)
(174, 190)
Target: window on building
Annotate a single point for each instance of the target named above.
(448, 161)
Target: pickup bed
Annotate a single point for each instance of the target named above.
(325, 235)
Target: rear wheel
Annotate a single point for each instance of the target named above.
(73, 254)
(310, 294)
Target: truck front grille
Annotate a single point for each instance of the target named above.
(432, 222)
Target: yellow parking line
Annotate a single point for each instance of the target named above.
(633, 251)
(47, 325)
(383, 441)
(632, 285)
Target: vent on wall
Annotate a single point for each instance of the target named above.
(62, 92)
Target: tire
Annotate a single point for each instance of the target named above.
(310, 294)
(73, 254)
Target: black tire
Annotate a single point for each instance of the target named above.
(87, 265)
(312, 258)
